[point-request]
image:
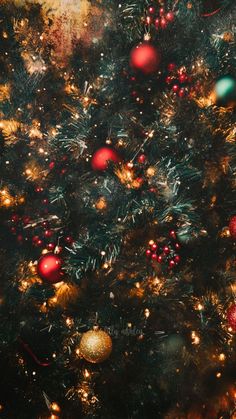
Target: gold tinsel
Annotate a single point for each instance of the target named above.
(95, 346)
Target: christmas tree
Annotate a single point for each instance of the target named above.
(117, 201)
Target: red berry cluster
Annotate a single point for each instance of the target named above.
(159, 17)
(165, 252)
(178, 80)
(40, 235)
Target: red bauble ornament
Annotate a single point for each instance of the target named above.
(102, 156)
(145, 58)
(232, 227)
(142, 158)
(231, 316)
(49, 268)
(170, 16)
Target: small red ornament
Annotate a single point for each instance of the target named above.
(142, 158)
(175, 88)
(48, 233)
(49, 268)
(145, 58)
(231, 316)
(171, 67)
(163, 23)
(166, 250)
(68, 239)
(171, 264)
(102, 156)
(15, 218)
(157, 23)
(232, 227)
(173, 234)
(170, 16)
(148, 253)
(51, 246)
(51, 165)
(181, 92)
(151, 9)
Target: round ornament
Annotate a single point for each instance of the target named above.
(231, 317)
(102, 156)
(232, 227)
(95, 346)
(225, 91)
(49, 268)
(145, 58)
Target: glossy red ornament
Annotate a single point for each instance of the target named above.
(50, 268)
(170, 16)
(51, 246)
(160, 259)
(68, 239)
(145, 58)
(15, 218)
(157, 23)
(171, 263)
(142, 158)
(177, 258)
(35, 239)
(102, 156)
(166, 250)
(181, 92)
(51, 165)
(232, 227)
(161, 11)
(183, 78)
(175, 88)
(231, 317)
(163, 23)
(148, 253)
(154, 256)
(171, 67)
(48, 233)
(172, 234)
(154, 247)
(38, 189)
(151, 9)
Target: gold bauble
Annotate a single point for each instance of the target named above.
(95, 346)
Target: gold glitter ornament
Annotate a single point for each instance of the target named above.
(95, 346)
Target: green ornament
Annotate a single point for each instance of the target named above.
(225, 90)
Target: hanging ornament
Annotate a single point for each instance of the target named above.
(145, 58)
(210, 7)
(165, 251)
(231, 317)
(225, 91)
(102, 156)
(232, 227)
(49, 268)
(95, 346)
